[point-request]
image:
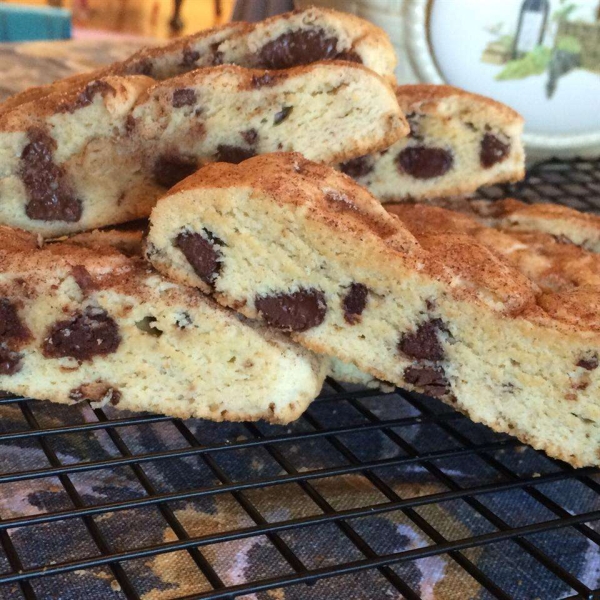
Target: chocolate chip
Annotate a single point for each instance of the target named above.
(190, 57)
(424, 343)
(202, 252)
(282, 115)
(10, 362)
(183, 97)
(589, 363)
(170, 169)
(50, 196)
(250, 136)
(354, 302)
(264, 80)
(86, 96)
(233, 154)
(294, 311)
(561, 239)
(493, 150)
(350, 56)
(141, 67)
(11, 328)
(432, 380)
(83, 278)
(87, 334)
(130, 124)
(424, 162)
(216, 56)
(300, 47)
(357, 167)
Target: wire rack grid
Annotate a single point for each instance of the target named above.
(369, 495)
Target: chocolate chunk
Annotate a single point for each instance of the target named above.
(354, 302)
(424, 162)
(190, 57)
(202, 252)
(250, 136)
(50, 196)
(267, 79)
(183, 97)
(282, 115)
(130, 123)
(216, 56)
(562, 239)
(350, 56)
(11, 328)
(83, 278)
(424, 343)
(493, 150)
(295, 311)
(10, 362)
(141, 67)
(357, 167)
(86, 96)
(589, 363)
(299, 47)
(432, 380)
(170, 169)
(87, 334)
(233, 154)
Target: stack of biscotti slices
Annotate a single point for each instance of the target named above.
(306, 250)
(77, 323)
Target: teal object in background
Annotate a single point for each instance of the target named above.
(25, 23)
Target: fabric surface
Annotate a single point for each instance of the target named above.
(451, 453)
(174, 575)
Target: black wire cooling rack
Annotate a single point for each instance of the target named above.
(370, 495)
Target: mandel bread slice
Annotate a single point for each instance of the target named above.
(102, 153)
(458, 142)
(79, 323)
(304, 249)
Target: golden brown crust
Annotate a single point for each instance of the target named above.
(564, 277)
(66, 96)
(426, 98)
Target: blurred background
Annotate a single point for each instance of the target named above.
(542, 57)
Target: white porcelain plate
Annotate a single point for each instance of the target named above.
(542, 57)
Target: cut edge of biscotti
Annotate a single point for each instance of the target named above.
(458, 142)
(325, 110)
(565, 223)
(308, 251)
(81, 323)
(68, 163)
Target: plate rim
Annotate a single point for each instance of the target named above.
(422, 57)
